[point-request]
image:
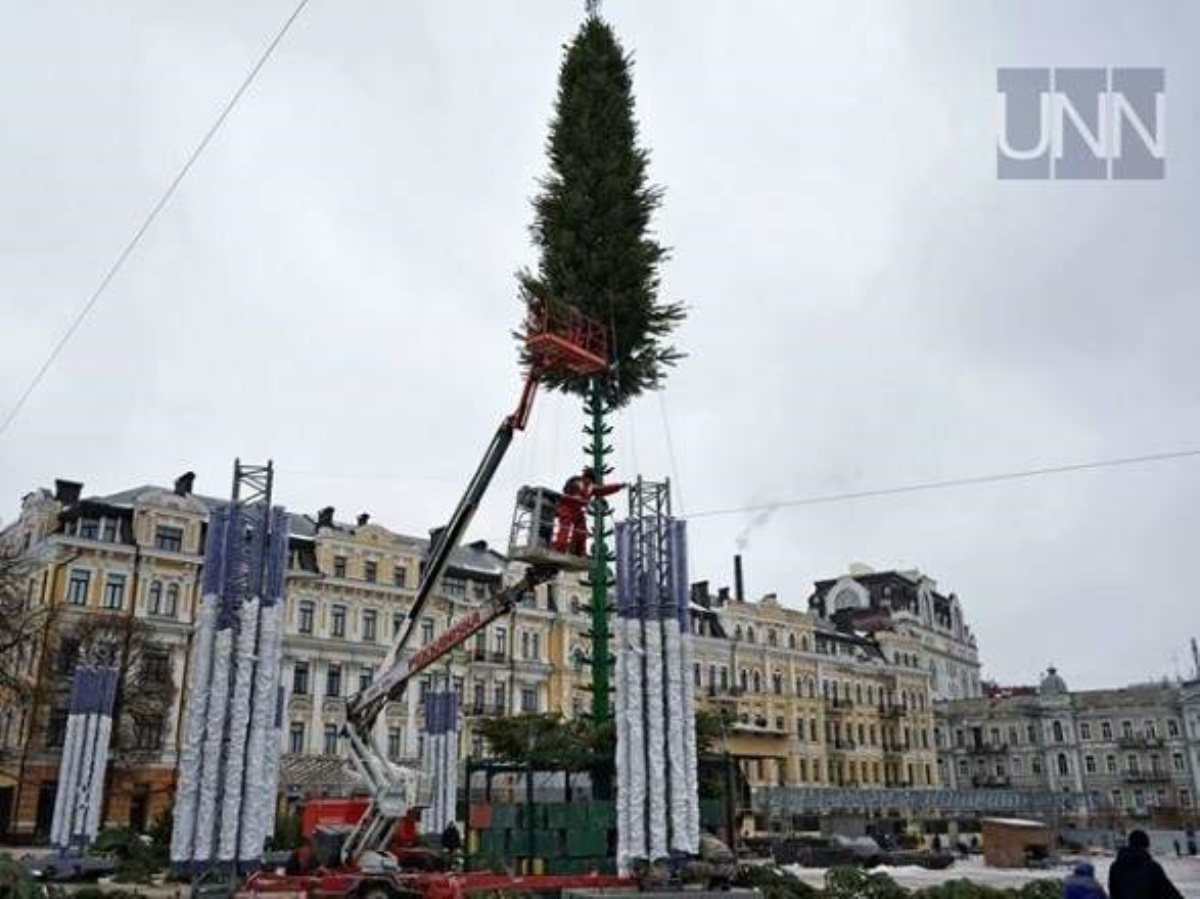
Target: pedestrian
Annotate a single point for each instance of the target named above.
(571, 536)
(1136, 875)
(451, 839)
(1082, 884)
(1178, 850)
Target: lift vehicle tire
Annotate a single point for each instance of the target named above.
(375, 891)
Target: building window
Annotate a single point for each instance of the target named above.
(307, 612)
(88, 528)
(339, 566)
(426, 631)
(156, 668)
(370, 572)
(1089, 764)
(1036, 765)
(338, 621)
(1172, 727)
(394, 744)
(1017, 766)
(168, 538)
(1132, 764)
(1063, 767)
(1127, 730)
(369, 625)
(498, 698)
(331, 735)
(1110, 764)
(397, 623)
(333, 680)
(296, 737)
(77, 587)
(500, 641)
(148, 733)
(777, 682)
(56, 729)
(68, 656)
(529, 701)
(114, 591)
(1057, 729)
(1118, 800)
(365, 674)
(1185, 797)
(455, 587)
(749, 634)
(400, 576)
(1085, 731)
(108, 530)
(1151, 730)
(300, 679)
(1177, 761)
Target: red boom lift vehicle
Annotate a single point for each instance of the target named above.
(557, 337)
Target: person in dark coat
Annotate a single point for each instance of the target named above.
(1136, 875)
(1083, 884)
(451, 838)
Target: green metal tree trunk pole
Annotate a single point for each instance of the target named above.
(600, 573)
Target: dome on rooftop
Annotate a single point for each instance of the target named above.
(1052, 684)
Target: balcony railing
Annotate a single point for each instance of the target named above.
(1146, 777)
(990, 781)
(1141, 741)
(988, 749)
(838, 705)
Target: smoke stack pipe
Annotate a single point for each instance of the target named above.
(739, 586)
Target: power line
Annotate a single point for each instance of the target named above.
(662, 406)
(116, 267)
(950, 483)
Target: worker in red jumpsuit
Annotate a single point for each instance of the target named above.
(571, 524)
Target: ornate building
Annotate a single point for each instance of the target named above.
(119, 574)
(1124, 755)
(907, 602)
(809, 698)
(809, 703)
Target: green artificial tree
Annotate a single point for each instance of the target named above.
(592, 226)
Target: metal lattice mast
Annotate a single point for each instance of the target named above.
(600, 573)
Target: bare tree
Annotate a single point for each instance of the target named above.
(146, 686)
(22, 624)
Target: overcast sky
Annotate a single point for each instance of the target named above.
(332, 287)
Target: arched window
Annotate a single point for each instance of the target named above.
(777, 682)
(172, 606)
(1058, 733)
(742, 679)
(804, 644)
(156, 595)
(737, 632)
(1063, 766)
(757, 681)
(791, 641)
(749, 634)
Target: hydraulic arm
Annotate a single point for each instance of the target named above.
(391, 790)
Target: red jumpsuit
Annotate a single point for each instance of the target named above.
(571, 524)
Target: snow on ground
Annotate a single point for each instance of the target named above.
(1184, 873)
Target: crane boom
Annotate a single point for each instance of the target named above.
(391, 791)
